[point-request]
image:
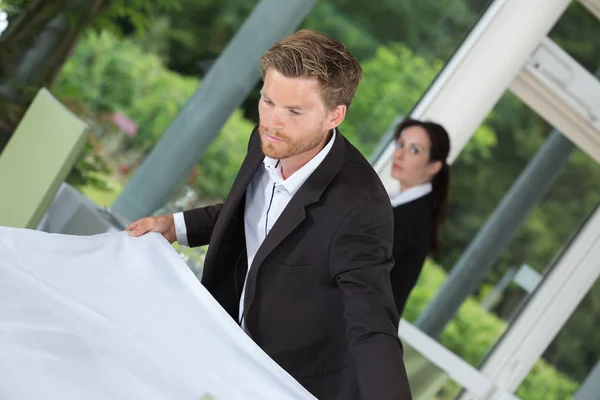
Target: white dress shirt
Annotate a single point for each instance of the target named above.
(397, 198)
(266, 197)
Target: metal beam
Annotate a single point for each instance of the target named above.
(564, 93)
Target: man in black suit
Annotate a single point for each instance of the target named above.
(301, 250)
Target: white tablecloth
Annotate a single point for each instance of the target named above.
(115, 317)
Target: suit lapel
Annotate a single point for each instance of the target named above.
(295, 212)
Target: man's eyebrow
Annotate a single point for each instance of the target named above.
(290, 107)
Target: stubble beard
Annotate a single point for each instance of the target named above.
(287, 147)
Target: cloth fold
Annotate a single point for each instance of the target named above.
(114, 317)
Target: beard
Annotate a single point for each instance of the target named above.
(289, 147)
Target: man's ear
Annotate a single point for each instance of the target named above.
(335, 116)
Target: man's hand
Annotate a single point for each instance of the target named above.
(164, 225)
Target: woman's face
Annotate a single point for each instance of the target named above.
(411, 164)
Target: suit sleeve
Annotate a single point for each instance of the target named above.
(360, 264)
(200, 223)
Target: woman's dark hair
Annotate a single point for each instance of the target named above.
(440, 148)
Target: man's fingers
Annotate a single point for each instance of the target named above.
(163, 225)
(140, 227)
(131, 226)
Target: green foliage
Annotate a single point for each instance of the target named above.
(103, 194)
(222, 160)
(88, 170)
(13, 7)
(136, 12)
(325, 17)
(394, 79)
(108, 74)
(200, 30)
(480, 327)
(472, 334)
(430, 28)
(441, 26)
(545, 382)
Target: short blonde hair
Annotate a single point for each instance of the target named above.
(309, 54)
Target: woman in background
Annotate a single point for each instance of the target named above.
(420, 203)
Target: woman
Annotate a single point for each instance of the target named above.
(420, 204)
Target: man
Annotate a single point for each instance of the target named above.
(300, 251)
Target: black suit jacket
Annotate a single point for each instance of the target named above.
(413, 227)
(318, 299)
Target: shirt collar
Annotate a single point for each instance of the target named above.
(410, 194)
(293, 182)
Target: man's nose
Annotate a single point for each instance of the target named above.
(274, 120)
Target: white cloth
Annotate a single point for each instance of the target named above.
(114, 317)
(267, 196)
(397, 198)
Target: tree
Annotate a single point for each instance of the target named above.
(107, 75)
(200, 30)
(40, 37)
(430, 28)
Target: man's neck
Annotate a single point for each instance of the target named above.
(290, 165)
